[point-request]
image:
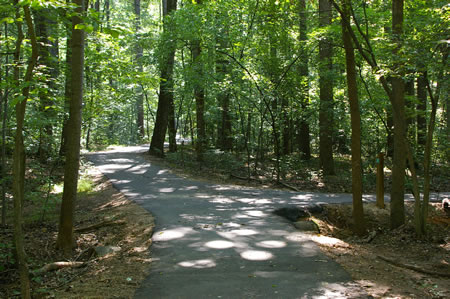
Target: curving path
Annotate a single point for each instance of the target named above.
(218, 241)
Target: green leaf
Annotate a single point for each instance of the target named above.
(24, 2)
(86, 27)
(113, 32)
(8, 20)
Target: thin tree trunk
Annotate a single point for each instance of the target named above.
(138, 56)
(199, 95)
(225, 139)
(67, 91)
(421, 112)
(43, 29)
(398, 104)
(304, 139)
(442, 80)
(172, 126)
(357, 187)
(19, 149)
(65, 240)
(326, 92)
(4, 115)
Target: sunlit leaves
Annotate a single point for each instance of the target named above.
(86, 27)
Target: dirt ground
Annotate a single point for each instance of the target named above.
(105, 220)
(382, 261)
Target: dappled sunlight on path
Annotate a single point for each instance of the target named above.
(215, 241)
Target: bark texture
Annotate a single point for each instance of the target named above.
(18, 166)
(166, 86)
(303, 135)
(326, 92)
(357, 187)
(65, 240)
(398, 107)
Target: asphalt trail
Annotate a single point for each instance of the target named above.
(219, 241)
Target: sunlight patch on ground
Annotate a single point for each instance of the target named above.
(172, 234)
(272, 244)
(304, 197)
(189, 188)
(114, 167)
(256, 213)
(246, 200)
(297, 237)
(221, 200)
(138, 170)
(329, 241)
(262, 202)
(256, 255)
(198, 264)
(219, 244)
(166, 190)
(330, 290)
(244, 232)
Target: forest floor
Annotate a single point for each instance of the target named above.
(387, 263)
(111, 257)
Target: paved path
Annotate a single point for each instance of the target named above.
(216, 241)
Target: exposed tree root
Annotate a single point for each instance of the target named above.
(412, 267)
(60, 265)
(98, 225)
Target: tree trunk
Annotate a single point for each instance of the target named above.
(4, 116)
(326, 92)
(304, 139)
(166, 86)
(65, 240)
(199, 95)
(222, 68)
(398, 107)
(358, 213)
(138, 56)
(19, 149)
(390, 135)
(286, 132)
(421, 112)
(47, 58)
(172, 126)
(67, 92)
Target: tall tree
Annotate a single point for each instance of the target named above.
(199, 95)
(138, 57)
(4, 116)
(398, 107)
(225, 140)
(303, 135)
(352, 89)
(48, 54)
(65, 240)
(19, 148)
(326, 91)
(67, 89)
(165, 96)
